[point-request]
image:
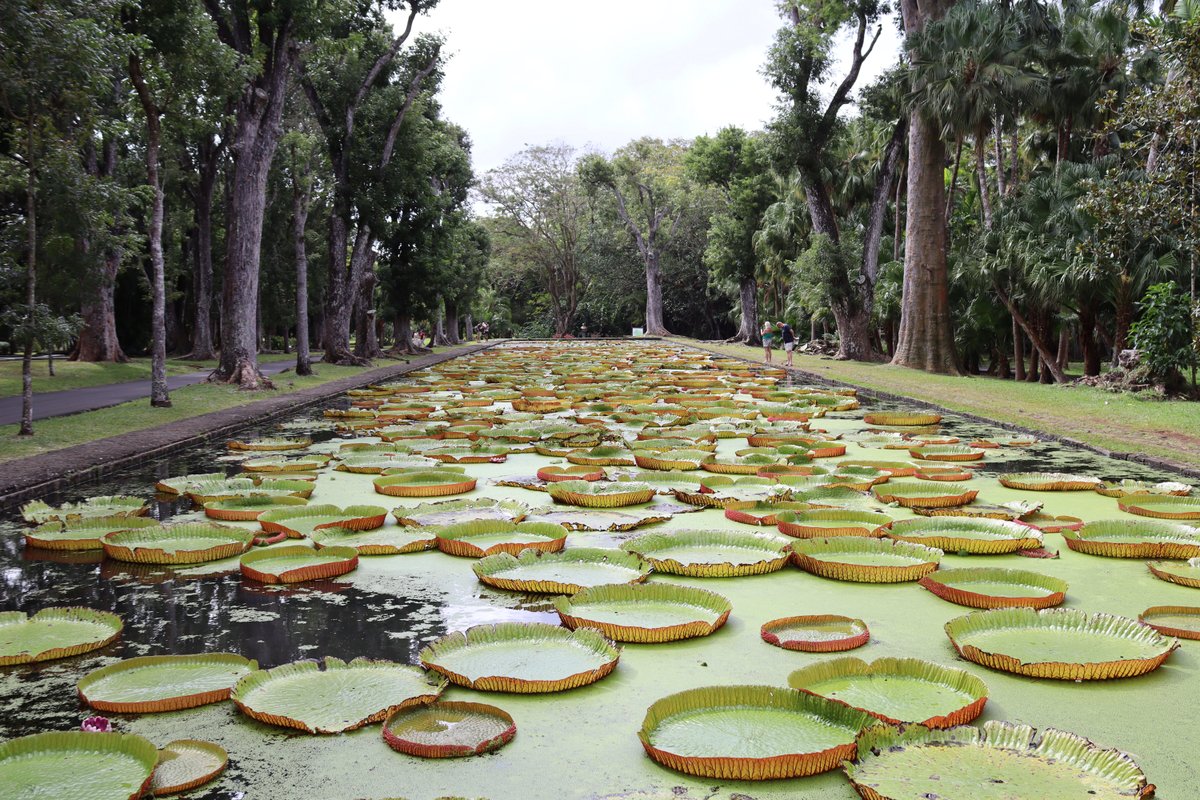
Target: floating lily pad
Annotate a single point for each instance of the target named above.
(241, 509)
(952, 474)
(300, 522)
(946, 452)
(864, 560)
(522, 657)
(179, 483)
(378, 542)
(1127, 488)
(185, 764)
(750, 732)
(672, 459)
(271, 443)
(1002, 760)
(149, 684)
(712, 554)
(1187, 574)
(227, 488)
(899, 691)
(425, 483)
(966, 535)
(925, 494)
(333, 696)
(564, 572)
(479, 539)
(764, 513)
(574, 473)
(992, 587)
(54, 633)
(646, 613)
(310, 463)
(1049, 482)
(1051, 523)
(76, 765)
(451, 512)
(1181, 621)
(1164, 507)
(602, 456)
(188, 543)
(816, 633)
(1059, 643)
(601, 495)
(915, 419)
(1135, 538)
(831, 522)
(448, 729)
(297, 563)
(104, 506)
(82, 534)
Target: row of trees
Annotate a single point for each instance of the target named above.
(1003, 198)
(169, 167)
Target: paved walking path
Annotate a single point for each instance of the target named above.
(89, 398)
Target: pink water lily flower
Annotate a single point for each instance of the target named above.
(96, 725)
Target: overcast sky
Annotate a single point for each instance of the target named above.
(601, 74)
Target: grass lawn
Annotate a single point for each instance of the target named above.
(1119, 422)
(190, 401)
(79, 374)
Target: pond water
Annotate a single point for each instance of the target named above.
(582, 743)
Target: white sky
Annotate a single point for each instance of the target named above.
(601, 74)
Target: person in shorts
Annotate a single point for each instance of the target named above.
(788, 337)
(768, 339)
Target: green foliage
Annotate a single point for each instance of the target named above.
(1164, 332)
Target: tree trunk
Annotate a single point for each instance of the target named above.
(366, 345)
(1123, 304)
(985, 192)
(30, 286)
(209, 151)
(1018, 351)
(654, 301)
(854, 332)
(1035, 338)
(926, 338)
(299, 221)
(1087, 340)
(748, 330)
(452, 323)
(159, 397)
(998, 142)
(98, 338)
(958, 148)
(439, 331)
(1064, 347)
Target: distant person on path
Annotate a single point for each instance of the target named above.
(788, 336)
(768, 339)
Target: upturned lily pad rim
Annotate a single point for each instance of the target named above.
(1148, 616)
(357, 517)
(869, 523)
(966, 534)
(776, 551)
(600, 495)
(1161, 506)
(1185, 574)
(328, 562)
(1049, 482)
(538, 635)
(38, 511)
(515, 511)
(820, 557)
(959, 681)
(942, 583)
(925, 493)
(167, 703)
(217, 752)
(960, 629)
(257, 679)
(412, 540)
(770, 628)
(143, 545)
(1112, 766)
(710, 610)
(399, 743)
(425, 483)
(786, 765)
(456, 539)
(489, 569)
(130, 745)
(1158, 539)
(43, 536)
(106, 621)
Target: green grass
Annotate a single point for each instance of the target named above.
(58, 432)
(1129, 423)
(79, 375)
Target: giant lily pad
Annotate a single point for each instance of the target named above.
(602, 456)
(425, 483)
(1162, 507)
(241, 509)
(270, 443)
(309, 463)
(946, 452)
(853, 558)
(966, 535)
(750, 732)
(992, 587)
(76, 765)
(104, 506)
(300, 522)
(764, 513)
(451, 512)
(831, 522)
(712, 554)
(82, 534)
(54, 633)
(179, 483)
(1129, 488)
(564, 572)
(297, 563)
(227, 488)
(646, 613)
(377, 542)
(188, 543)
(1000, 761)
(522, 657)
(1186, 574)
(1135, 538)
(897, 690)
(333, 696)
(600, 495)
(1181, 621)
(163, 683)
(1049, 482)
(907, 419)
(816, 633)
(1060, 643)
(185, 764)
(449, 729)
(925, 494)
(479, 539)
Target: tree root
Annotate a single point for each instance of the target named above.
(246, 375)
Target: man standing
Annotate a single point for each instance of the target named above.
(788, 337)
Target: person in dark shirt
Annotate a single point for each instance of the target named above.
(788, 337)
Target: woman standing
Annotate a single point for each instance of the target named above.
(768, 339)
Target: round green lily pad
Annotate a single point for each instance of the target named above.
(449, 729)
(185, 764)
(82, 534)
(864, 560)
(564, 572)
(712, 554)
(333, 696)
(378, 542)
(645, 612)
(76, 765)
(54, 633)
(297, 563)
(163, 683)
(816, 633)
(993, 587)
(188, 543)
